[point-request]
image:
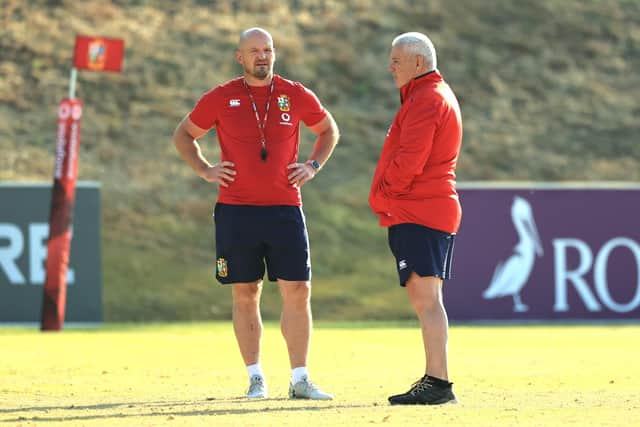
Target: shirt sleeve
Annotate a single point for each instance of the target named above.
(205, 113)
(312, 111)
(415, 142)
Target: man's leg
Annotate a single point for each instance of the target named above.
(247, 322)
(425, 295)
(247, 325)
(295, 321)
(296, 329)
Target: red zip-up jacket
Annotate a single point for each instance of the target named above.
(414, 181)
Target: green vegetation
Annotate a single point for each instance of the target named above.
(549, 91)
(192, 375)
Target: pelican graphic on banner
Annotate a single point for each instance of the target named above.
(511, 275)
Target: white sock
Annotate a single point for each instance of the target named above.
(298, 373)
(254, 369)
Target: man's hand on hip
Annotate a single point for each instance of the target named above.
(222, 173)
(300, 173)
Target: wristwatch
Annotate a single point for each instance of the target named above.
(314, 164)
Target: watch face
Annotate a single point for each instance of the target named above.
(315, 164)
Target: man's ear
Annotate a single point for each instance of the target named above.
(419, 61)
(238, 56)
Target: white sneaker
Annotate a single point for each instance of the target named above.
(257, 388)
(305, 389)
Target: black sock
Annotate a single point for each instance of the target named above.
(438, 382)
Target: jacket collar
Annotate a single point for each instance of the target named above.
(419, 81)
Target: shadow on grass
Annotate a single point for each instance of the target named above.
(158, 409)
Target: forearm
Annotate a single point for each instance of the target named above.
(190, 151)
(324, 145)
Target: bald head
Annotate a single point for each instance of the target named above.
(417, 44)
(252, 33)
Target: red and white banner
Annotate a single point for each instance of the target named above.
(61, 216)
(98, 53)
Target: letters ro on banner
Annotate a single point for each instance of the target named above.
(549, 253)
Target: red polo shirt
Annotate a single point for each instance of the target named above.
(228, 108)
(414, 181)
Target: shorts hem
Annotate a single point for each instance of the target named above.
(289, 279)
(404, 277)
(230, 281)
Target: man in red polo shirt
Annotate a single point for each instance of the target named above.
(258, 215)
(414, 194)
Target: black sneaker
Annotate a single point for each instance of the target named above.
(425, 391)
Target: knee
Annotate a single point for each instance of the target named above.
(296, 293)
(424, 295)
(425, 303)
(246, 295)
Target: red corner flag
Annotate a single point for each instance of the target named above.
(98, 53)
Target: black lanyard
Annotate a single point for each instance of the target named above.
(261, 124)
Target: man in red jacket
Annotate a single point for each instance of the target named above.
(414, 194)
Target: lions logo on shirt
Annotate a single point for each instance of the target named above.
(283, 103)
(222, 267)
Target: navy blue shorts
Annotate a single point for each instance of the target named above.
(247, 237)
(424, 250)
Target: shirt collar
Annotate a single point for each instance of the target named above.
(418, 81)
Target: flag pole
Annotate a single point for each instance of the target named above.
(90, 53)
(72, 82)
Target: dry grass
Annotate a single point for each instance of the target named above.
(548, 92)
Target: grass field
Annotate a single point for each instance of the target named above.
(191, 374)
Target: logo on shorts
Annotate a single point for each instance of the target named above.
(402, 264)
(223, 271)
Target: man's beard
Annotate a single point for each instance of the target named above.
(261, 72)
